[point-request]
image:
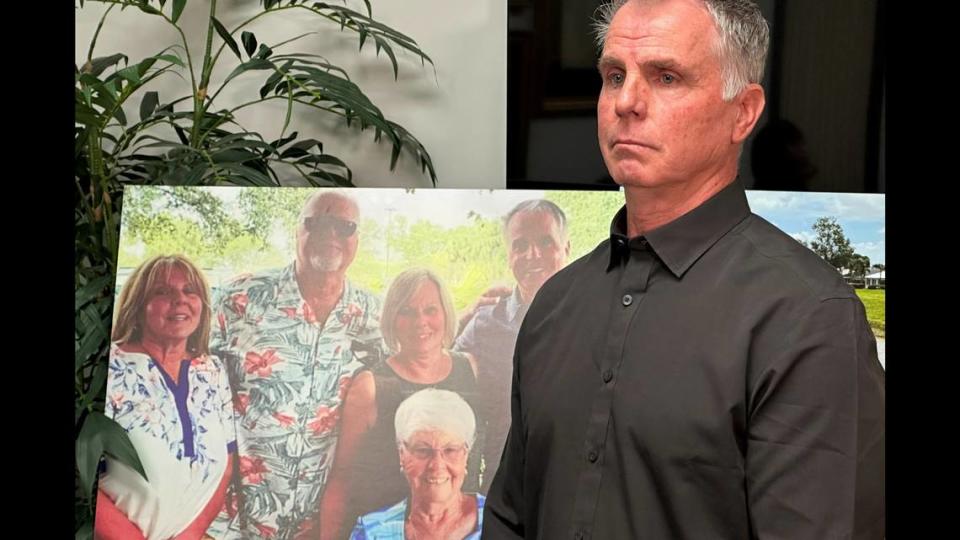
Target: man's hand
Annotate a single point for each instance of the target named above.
(489, 297)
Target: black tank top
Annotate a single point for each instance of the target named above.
(376, 481)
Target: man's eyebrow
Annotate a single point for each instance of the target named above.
(607, 62)
(663, 63)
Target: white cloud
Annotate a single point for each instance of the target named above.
(845, 206)
(803, 236)
(875, 250)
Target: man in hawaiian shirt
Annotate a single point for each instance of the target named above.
(290, 338)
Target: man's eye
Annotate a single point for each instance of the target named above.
(668, 78)
(615, 78)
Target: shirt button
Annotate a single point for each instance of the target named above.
(593, 456)
(627, 299)
(607, 376)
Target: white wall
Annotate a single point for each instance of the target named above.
(459, 115)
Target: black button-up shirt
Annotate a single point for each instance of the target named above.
(711, 380)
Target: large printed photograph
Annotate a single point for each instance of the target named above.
(333, 364)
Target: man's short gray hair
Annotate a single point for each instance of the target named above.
(538, 205)
(433, 409)
(743, 44)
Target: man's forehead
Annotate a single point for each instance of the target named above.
(663, 22)
(530, 219)
(330, 203)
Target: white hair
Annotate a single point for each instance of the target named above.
(744, 39)
(433, 409)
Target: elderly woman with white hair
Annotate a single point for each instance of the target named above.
(418, 324)
(435, 431)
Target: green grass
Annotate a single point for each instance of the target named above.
(875, 302)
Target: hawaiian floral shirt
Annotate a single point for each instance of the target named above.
(289, 373)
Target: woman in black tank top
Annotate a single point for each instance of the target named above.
(418, 324)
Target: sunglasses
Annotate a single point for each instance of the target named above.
(342, 227)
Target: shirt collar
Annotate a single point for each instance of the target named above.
(680, 243)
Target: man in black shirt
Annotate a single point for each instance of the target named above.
(700, 374)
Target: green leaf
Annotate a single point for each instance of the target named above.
(382, 44)
(248, 175)
(285, 140)
(181, 134)
(101, 435)
(249, 65)
(90, 291)
(85, 532)
(249, 42)
(95, 333)
(147, 8)
(148, 104)
(120, 116)
(232, 155)
(178, 6)
(98, 65)
(172, 58)
(87, 93)
(263, 52)
(225, 35)
(301, 148)
(97, 381)
(129, 73)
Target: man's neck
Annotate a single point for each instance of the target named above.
(649, 208)
(321, 290)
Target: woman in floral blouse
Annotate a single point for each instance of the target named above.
(174, 402)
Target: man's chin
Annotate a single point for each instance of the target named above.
(325, 264)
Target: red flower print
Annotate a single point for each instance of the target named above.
(260, 364)
(239, 303)
(352, 312)
(252, 469)
(308, 314)
(266, 531)
(116, 400)
(325, 420)
(240, 402)
(286, 420)
(290, 312)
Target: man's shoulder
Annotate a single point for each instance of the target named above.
(252, 280)
(782, 258)
(362, 296)
(492, 312)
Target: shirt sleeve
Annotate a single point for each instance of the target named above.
(467, 340)
(815, 450)
(503, 514)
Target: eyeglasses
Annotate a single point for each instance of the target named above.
(427, 453)
(342, 227)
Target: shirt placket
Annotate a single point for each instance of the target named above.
(633, 277)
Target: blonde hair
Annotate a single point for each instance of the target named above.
(402, 288)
